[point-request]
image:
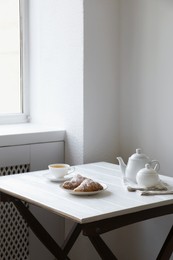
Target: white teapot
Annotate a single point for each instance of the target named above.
(136, 162)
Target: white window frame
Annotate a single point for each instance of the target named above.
(24, 24)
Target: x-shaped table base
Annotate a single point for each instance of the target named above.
(93, 230)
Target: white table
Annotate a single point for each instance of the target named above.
(93, 215)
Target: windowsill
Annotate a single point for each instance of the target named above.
(29, 133)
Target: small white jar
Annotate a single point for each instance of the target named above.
(147, 177)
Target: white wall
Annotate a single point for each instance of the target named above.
(67, 91)
(101, 80)
(56, 69)
(146, 105)
(147, 79)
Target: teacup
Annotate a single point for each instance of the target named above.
(59, 170)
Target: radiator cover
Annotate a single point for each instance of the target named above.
(14, 232)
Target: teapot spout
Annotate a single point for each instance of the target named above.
(122, 165)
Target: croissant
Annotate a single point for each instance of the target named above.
(89, 185)
(74, 182)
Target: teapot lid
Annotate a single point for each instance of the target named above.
(138, 155)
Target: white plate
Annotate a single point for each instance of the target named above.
(85, 193)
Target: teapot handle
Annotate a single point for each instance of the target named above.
(157, 165)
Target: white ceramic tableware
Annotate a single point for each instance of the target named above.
(136, 162)
(147, 177)
(59, 170)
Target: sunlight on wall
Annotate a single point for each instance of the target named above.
(56, 71)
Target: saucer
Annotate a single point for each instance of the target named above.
(62, 179)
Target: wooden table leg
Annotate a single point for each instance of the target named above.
(167, 248)
(71, 238)
(39, 231)
(102, 249)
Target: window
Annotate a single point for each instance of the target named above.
(12, 32)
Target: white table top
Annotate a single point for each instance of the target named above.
(36, 188)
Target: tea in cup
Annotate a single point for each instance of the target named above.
(59, 170)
